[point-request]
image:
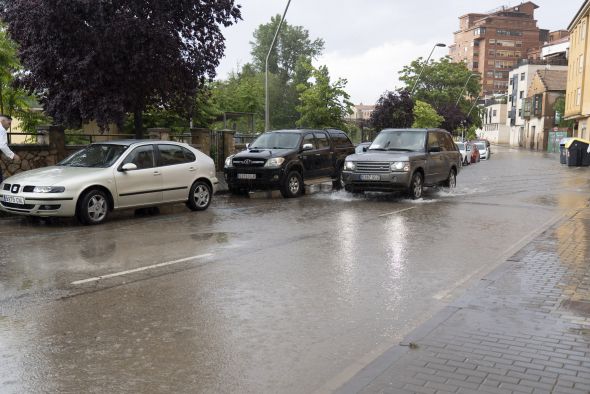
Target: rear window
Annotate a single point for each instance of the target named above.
(341, 140)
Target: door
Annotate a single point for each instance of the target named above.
(324, 154)
(142, 186)
(434, 159)
(309, 159)
(178, 166)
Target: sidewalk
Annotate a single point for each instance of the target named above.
(525, 328)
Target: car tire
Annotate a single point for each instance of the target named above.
(199, 196)
(451, 181)
(416, 186)
(292, 185)
(478, 159)
(93, 207)
(338, 183)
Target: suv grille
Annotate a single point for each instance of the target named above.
(241, 163)
(373, 167)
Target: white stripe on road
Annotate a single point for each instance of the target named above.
(393, 213)
(149, 267)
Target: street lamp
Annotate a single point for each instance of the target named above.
(464, 87)
(424, 66)
(266, 105)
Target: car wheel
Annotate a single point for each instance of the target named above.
(416, 186)
(338, 183)
(93, 207)
(199, 196)
(292, 185)
(478, 159)
(451, 181)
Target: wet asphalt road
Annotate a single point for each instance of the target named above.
(258, 296)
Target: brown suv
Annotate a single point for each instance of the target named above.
(404, 160)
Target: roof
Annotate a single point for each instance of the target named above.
(583, 10)
(133, 142)
(553, 79)
(556, 42)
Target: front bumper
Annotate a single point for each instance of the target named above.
(387, 182)
(40, 204)
(265, 178)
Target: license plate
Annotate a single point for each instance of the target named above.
(246, 176)
(370, 177)
(14, 200)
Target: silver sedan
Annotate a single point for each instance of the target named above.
(113, 175)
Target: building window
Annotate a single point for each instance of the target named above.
(522, 76)
(494, 114)
(492, 41)
(581, 64)
(492, 52)
(521, 94)
(479, 31)
(511, 33)
(578, 96)
(520, 113)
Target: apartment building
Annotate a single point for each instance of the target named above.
(577, 101)
(492, 43)
(519, 82)
(546, 87)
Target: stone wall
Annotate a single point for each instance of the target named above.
(52, 148)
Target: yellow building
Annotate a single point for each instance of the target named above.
(577, 102)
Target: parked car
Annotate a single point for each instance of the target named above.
(362, 147)
(472, 148)
(404, 160)
(465, 154)
(113, 175)
(484, 152)
(285, 159)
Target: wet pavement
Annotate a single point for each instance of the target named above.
(259, 295)
(525, 328)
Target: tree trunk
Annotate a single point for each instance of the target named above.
(138, 122)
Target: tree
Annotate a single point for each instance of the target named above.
(103, 59)
(442, 83)
(323, 104)
(425, 116)
(559, 107)
(8, 66)
(293, 50)
(393, 110)
(292, 45)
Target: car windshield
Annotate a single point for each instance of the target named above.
(95, 155)
(400, 140)
(276, 141)
(460, 145)
(481, 145)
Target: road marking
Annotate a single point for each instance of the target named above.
(149, 267)
(399, 211)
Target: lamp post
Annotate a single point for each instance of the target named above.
(424, 66)
(266, 104)
(464, 87)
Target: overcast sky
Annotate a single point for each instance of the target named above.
(368, 42)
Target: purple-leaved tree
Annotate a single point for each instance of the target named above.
(103, 59)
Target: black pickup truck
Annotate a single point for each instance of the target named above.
(283, 159)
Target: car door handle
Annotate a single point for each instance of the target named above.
(192, 169)
(157, 173)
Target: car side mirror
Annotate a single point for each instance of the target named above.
(247, 146)
(307, 147)
(129, 167)
(365, 148)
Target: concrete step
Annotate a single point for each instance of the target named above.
(312, 188)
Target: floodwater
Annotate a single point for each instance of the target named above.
(266, 295)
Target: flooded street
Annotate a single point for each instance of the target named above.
(259, 295)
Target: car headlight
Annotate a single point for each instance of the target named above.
(49, 189)
(275, 162)
(228, 162)
(349, 165)
(400, 166)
